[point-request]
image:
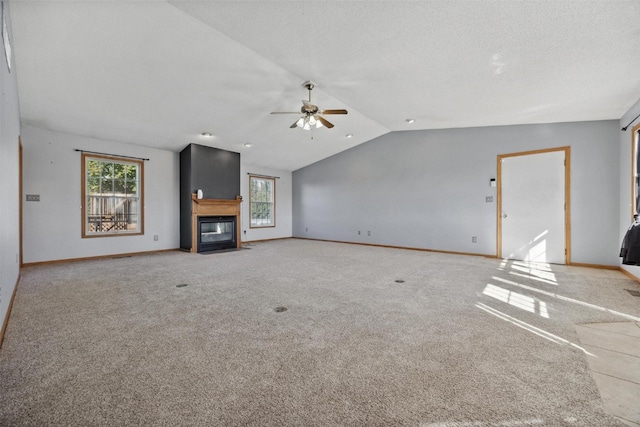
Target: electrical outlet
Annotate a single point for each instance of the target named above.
(155, 237)
(489, 199)
(306, 229)
(358, 232)
(368, 233)
(33, 197)
(474, 239)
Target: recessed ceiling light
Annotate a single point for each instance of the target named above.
(248, 145)
(207, 134)
(410, 120)
(349, 135)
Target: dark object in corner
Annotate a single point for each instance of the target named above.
(630, 250)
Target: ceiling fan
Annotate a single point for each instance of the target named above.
(311, 114)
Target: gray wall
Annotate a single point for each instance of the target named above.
(9, 177)
(427, 189)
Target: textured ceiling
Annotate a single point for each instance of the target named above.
(158, 73)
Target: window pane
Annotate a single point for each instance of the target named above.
(119, 187)
(93, 185)
(93, 168)
(129, 188)
(107, 170)
(131, 172)
(118, 170)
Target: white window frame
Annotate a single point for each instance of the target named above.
(257, 218)
(117, 220)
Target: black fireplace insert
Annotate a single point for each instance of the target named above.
(216, 232)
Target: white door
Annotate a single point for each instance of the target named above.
(532, 211)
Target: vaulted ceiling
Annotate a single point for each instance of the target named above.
(160, 73)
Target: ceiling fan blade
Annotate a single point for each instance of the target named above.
(285, 112)
(294, 125)
(325, 122)
(334, 112)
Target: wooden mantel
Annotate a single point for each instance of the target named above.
(213, 207)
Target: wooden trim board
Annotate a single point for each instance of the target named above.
(98, 257)
(6, 317)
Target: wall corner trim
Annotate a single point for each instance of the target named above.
(631, 276)
(6, 317)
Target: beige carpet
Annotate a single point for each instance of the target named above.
(371, 336)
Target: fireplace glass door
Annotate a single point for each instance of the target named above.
(216, 233)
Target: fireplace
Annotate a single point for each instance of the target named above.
(217, 173)
(215, 224)
(216, 232)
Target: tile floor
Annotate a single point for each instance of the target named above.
(615, 366)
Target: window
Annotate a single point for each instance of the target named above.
(112, 196)
(262, 195)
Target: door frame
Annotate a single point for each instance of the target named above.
(635, 147)
(567, 198)
(20, 207)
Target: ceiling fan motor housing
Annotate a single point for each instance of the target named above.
(308, 108)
